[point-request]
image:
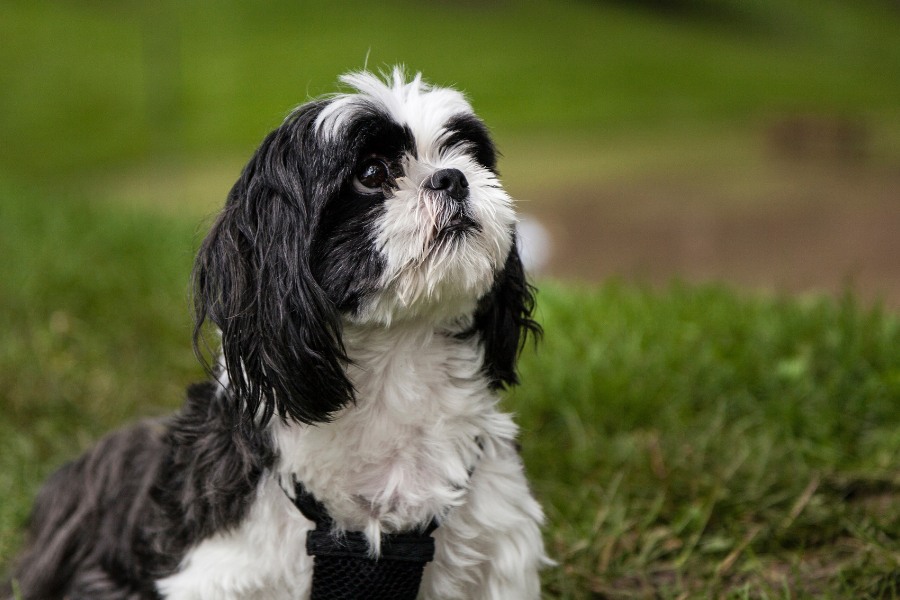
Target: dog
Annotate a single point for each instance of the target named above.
(365, 282)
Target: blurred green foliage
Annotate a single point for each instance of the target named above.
(98, 83)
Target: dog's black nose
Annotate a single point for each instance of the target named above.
(451, 181)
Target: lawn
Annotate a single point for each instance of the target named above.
(686, 441)
(683, 441)
(689, 442)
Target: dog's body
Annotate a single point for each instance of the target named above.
(371, 301)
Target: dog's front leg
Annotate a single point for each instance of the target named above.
(491, 546)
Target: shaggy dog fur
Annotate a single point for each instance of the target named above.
(365, 280)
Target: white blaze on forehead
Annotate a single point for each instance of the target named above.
(423, 108)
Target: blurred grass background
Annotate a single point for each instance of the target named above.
(94, 85)
(686, 441)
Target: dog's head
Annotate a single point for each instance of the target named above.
(376, 207)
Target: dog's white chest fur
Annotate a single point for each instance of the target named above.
(425, 422)
(404, 453)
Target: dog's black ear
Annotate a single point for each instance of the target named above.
(281, 336)
(503, 320)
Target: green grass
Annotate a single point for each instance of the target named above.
(94, 330)
(693, 441)
(683, 441)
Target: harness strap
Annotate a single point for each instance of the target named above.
(342, 566)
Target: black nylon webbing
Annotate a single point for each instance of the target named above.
(342, 567)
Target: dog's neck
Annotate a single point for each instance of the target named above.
(403, 453)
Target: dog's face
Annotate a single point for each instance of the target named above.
(418, 224)
(375, 207)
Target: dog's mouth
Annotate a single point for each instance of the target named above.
(454, 231)
(452, 258)
(458, 224)
(445, 218)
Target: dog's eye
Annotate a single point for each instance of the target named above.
(372, 174)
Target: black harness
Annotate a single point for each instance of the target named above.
(342, 567)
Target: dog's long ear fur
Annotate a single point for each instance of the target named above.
(281, 336)
(503, 320)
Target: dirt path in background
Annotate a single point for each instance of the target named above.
(763, 221)
(807, 228)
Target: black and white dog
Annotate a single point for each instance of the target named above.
(371, 301)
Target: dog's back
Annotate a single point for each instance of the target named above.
(83, 516)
